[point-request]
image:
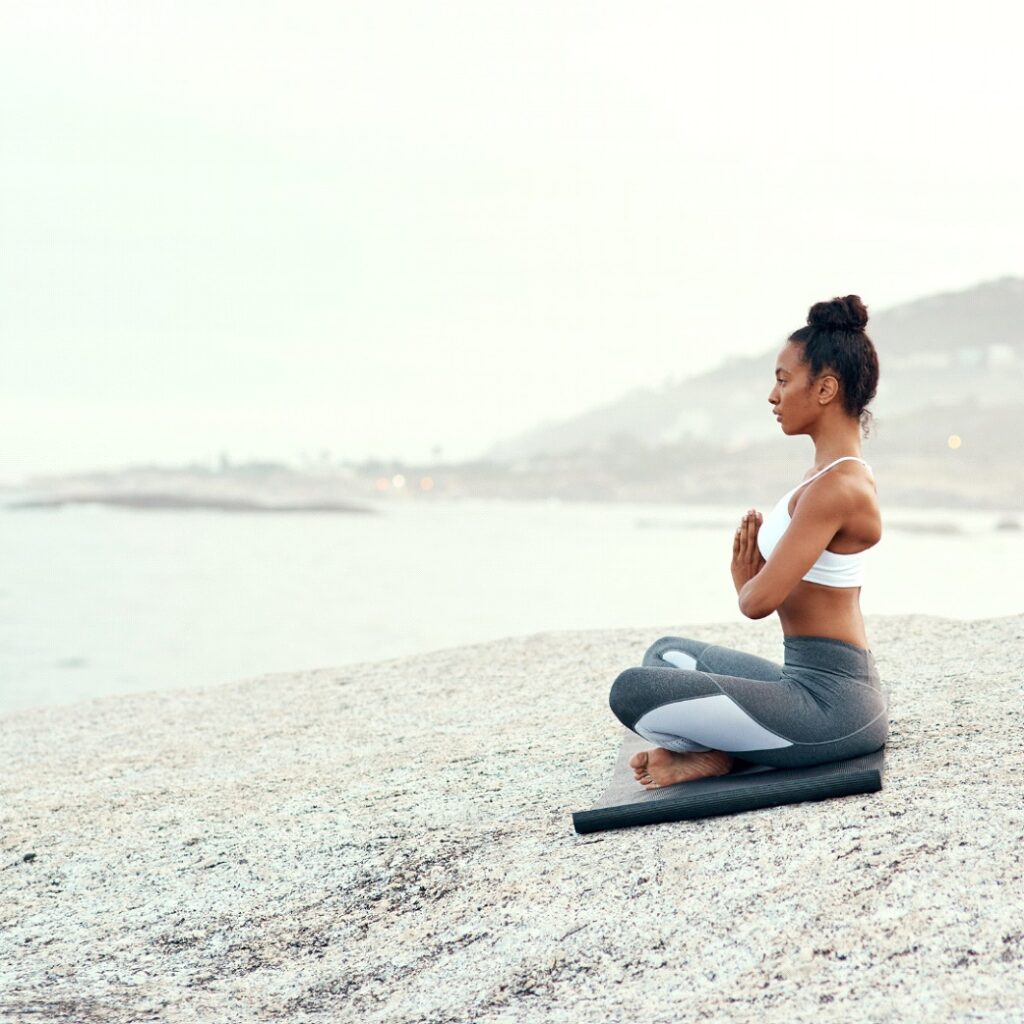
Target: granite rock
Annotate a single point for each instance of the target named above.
(392, 842)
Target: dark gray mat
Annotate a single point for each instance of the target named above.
(625, 802)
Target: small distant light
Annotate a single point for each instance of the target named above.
(953, 441)
(426, 483)
(398, 480)
(381, 483)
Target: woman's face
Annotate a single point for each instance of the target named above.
(790, 398)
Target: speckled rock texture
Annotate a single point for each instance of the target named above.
(392, 842)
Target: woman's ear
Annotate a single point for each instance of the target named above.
(828, 388)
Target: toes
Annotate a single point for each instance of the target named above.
(639, 760)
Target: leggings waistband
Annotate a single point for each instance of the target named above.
(827, 654)
(827, 640)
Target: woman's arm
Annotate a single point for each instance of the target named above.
(820, 514)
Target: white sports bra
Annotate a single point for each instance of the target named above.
(831, 569)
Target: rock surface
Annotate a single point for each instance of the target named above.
(392, 842)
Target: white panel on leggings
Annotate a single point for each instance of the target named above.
(680, 744)
(717, 721)
(679, 658)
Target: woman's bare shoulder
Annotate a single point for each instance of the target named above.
(851, 488)
(863, 511)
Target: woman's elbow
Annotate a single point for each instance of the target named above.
(752, 609)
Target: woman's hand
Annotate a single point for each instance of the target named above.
(746, 558)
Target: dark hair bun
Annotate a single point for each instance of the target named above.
(845, 314)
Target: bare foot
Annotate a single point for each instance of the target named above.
(661, 767)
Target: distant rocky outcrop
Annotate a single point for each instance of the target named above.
(245, 488)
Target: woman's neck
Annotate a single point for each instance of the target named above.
(836, 442)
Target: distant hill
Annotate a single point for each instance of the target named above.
(944, 359)
(946, 432)
(983, 432)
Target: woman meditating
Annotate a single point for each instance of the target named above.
(701, 703)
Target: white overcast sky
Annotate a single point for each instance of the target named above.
(274, 229)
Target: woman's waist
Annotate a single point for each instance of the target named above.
(829, 613)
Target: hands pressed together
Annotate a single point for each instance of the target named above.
(746, 558)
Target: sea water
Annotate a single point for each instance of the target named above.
(97, 601)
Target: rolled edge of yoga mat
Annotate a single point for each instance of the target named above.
(730, 794)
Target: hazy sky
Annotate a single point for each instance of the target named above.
(278, 228)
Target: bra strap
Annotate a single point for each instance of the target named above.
(828, 467)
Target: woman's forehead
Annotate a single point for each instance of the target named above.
(788, 359)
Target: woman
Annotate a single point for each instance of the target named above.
(703, 704)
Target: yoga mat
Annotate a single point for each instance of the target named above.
(747, 787)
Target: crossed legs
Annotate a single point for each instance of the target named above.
(657, 707)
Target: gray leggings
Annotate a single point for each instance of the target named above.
(825, 703)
